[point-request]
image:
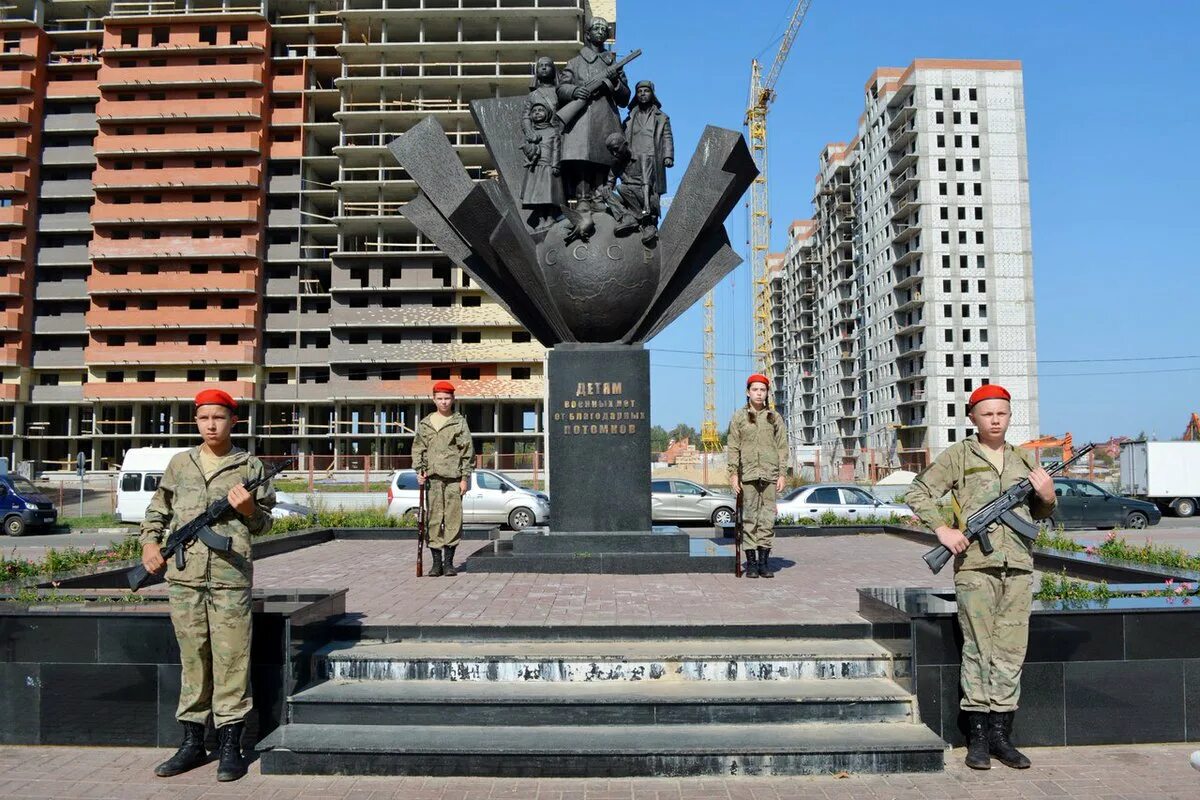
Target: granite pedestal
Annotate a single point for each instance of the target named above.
(599, 448)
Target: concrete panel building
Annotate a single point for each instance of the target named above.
(912, 284)
(200, 192)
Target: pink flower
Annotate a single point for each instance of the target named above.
(1169, 581)
(1089, 550)
(1178, 590)
(1187, 601)
(1189, 587)
(1112, 536)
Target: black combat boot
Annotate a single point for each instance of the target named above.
(977, 740)
(448, 560)
(436, 572)
(999, 731)
(232, 766)
(764, 562)
(191, 753)
(751, 563)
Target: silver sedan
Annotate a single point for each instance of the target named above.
(845, 500)
(674, 500)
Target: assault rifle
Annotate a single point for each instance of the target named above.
(422, 533)
(737, 533)
(571, 111)
(1000, 510)
(201, 528)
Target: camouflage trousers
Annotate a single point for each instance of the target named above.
(758, 514)
(445, 511)
(213, 630)
(993, 610)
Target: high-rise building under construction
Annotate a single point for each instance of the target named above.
(199, 192)
(912, 285)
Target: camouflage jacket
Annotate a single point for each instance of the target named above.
(757, 446)
(446, 453)
(184, 493)
(965, 471)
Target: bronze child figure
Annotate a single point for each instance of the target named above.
(542, 190)
(633, 202)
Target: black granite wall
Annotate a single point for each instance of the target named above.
(111, 676)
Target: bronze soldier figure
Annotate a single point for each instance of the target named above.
(585, 159)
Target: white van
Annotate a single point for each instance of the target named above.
(140, 473)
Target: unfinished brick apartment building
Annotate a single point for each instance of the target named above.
(199, 191)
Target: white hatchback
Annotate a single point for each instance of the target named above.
(846, 501)
(492, 498)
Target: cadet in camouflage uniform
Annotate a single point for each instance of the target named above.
(994, 592)
(442, 455)
(758, 458)
(210, 596)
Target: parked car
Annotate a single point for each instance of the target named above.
(1083, 504)
(23, 506)
(492, 497)
(286, 506)
(847, 501)
(675, 500)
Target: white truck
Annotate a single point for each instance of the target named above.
(1165, 473)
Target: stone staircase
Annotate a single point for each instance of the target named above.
(605, 708)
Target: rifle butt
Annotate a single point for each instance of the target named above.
(571, 111)
(937, 558)
(137, 577)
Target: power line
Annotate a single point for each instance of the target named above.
(1040, 360)
(1023, 375)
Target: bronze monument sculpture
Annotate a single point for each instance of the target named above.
(568, 239)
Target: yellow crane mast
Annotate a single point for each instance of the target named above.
(710, 440)
(762, 94)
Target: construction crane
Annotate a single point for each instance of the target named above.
(1049, 442)
(710, 440)
(762, 93)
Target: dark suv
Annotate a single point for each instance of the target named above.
(1083, 504)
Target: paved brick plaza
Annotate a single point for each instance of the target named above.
(1136, 772)
(816, 581)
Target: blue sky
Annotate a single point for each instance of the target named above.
(1111, 115)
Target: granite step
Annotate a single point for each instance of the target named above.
(601, 750)
(542, 703)
(625, 661)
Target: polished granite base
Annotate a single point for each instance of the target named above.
(663, 549)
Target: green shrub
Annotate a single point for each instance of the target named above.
(1115, 547)
(1056, 540)
(59, 562)
(1060, 587)
(342, 518)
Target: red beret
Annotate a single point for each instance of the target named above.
(443, 386)
(757, 378)
(215, 397)
(990, 391)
